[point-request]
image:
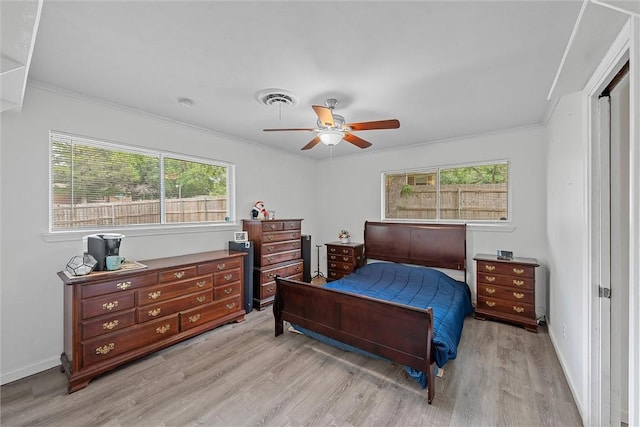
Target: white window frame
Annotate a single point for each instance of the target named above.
(146, 229)
(500, 225)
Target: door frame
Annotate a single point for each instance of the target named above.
(626, 46)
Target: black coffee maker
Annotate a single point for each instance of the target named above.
(100, 246)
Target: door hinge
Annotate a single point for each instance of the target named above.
(604, 292)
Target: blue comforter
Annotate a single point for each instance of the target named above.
(418, 287)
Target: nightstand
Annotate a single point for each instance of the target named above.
(506, 290)
(343, 259)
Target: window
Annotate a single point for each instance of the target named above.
(470, 193)
(96, 185)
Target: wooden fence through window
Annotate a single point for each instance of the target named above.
(107, 214)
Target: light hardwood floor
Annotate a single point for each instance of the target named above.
(241, 374)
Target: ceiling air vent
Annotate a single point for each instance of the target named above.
(276, 97)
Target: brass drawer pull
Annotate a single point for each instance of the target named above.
(163, 329)
(273, 226)
(518, 295)
(201, 298)
(332, 265)
(228, 291)
(271, 289)
(230, 306)
(491, 290)
(490, 278)
(109, 305)
(201, 283)
(490, 267)
(221, 266)
(123, 285)
(346, 267)
(194, 318)
(518, 270)
(105, 349)
(297, 268)
(154, 312)
(345, 251)
(490, 303)
(518, 309)
(346, 259)
(110, 325)
(228, 277)
(518, 282)
(155, 295)
(178, 274)
(270, 248)
(332, 249)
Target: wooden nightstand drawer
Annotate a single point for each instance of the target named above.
(497, 279)
(513, 308)
(342, 267)
(516, 270)
(343, 259)
(504, 293)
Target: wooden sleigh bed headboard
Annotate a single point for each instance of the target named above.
(429, 245)
(380, 327)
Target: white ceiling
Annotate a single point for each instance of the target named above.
(443, 69)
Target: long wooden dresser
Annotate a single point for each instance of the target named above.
(277, 252)
(506, 290)
(111, 318)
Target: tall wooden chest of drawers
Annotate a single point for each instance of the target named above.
(115, 317)
(506, 290)
(343, 259)
(277, 252)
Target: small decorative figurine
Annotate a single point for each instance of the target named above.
(258, 211)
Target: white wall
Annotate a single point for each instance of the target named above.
(567, 236)
(31, 293)
(351, 190)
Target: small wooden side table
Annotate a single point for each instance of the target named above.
(343, 259)
(506, 290)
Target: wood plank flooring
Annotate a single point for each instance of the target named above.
(241, 375)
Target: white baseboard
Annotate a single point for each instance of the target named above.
(24, 372)
(572, 388)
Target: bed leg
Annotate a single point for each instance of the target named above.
(277, 315)
(431, 384)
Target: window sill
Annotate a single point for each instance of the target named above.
(501, 226)
(69, 236)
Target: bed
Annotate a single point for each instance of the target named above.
(418, 336)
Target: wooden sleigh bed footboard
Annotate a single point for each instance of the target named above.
(383, 328)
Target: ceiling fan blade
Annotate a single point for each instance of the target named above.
(324, 114)
(274, 130)
(380, 124)
(358, 142)
(311, 143)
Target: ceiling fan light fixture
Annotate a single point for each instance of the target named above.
(330, 137)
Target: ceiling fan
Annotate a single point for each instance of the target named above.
(331, 128)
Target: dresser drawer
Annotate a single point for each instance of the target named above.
(284, 271)
(509, 307)
(210, 312)
(281, 236)
(214, 267)
(178, 274)
(274, 248)
(106, 324)
(505, 293)
(341, 267)
(226, 291)
(497, 279)
(336, 274)
(120, 285)
(506, 269)
(227, 276)
(340, 258)
(341, 250)
(280, 257)
(279, 225)
(108, 346)
(154, 294)
(160, 309)
(107, 304)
